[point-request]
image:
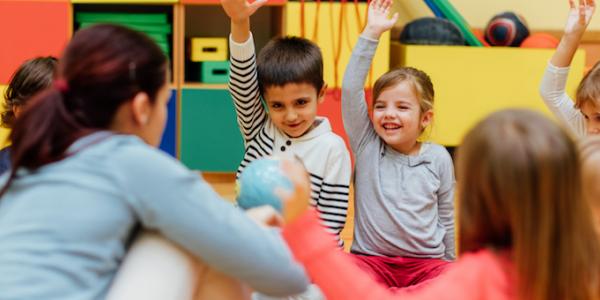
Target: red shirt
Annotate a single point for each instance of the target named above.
(479, 275)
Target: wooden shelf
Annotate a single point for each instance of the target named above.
(204, 86)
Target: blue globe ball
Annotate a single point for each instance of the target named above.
(258, 182)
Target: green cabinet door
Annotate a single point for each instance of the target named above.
(210, 137)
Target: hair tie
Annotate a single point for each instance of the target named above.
(61, 85)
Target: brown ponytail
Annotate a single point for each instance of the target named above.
(103, 67)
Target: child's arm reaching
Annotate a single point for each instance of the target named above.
(552, 88)
(243, 81)
(577, 22)
(354, 108)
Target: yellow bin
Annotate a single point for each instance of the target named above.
(472, 82)
(209, 49)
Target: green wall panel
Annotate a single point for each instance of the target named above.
(210, 137)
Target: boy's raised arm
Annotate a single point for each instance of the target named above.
(243, 80)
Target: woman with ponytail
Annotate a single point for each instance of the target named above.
(86, 172)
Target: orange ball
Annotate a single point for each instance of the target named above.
(480, 36)
(540, 40)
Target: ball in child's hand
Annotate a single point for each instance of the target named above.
(259, 181)
(506, 29)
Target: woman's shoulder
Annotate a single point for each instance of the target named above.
(120, 151)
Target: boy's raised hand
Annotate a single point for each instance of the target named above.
(241, 10)
(580, 15)
(378, 20)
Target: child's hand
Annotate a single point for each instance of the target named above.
(579, 16)
(241, 10)
(378, 20)
(265, 216)
(296, 202)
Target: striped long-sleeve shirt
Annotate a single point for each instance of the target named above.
(323, 153)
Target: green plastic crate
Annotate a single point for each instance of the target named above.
(159, 38)
(147, 28)
(164, 47)
(132, 18)
(214, 71)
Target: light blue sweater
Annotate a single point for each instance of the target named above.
(64, 227)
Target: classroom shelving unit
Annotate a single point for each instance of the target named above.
(202, 131)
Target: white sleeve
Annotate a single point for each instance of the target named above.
(552, 90)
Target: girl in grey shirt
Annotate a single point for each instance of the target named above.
(404, 224)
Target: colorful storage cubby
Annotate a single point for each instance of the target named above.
(155, 21)
(30, 29)
(472, 82)
(155, 25)
(267, 22)
(210, 137)
(201, 129)
(215, 72)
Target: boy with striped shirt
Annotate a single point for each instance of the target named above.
(288, 75)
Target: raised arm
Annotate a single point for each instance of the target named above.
(552, 88)
(354, 107)
(577, 22)
(243, 81)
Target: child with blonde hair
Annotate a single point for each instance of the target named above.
(584, 116)
(404, 223)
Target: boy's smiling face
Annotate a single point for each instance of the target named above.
(293, 107)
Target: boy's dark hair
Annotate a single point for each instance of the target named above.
(290, 60)
(32, 77)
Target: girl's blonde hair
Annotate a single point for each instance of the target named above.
(589, 89)
(519, 186)
(420, 81)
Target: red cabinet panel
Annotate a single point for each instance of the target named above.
(29, 29)
(332, 109)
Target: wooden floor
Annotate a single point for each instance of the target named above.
(224, 184)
